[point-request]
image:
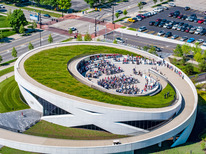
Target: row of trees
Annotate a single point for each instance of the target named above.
(196, 52)
(30, 47)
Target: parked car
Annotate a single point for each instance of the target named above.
(192, 30)
(169, 26)
(73, 28)
(203, 32)
(187, 8)
(168, 34)
(172, 4)
(204, 43)
(158, 20)
(160, 33)
(119, 40)
(179, 28)
(132, 19)
(141, 29)
(196, 20)
(200, 41)
(119, 11)
(184, 38)
(175, 36)
(184, 17)
(180, 16)
(143, 3)
(201, 21)
(199, 30)
(171, 14)
(151, 23)
(190, 40)
(47, 15)
(175, 27)
(161, 24)
(156, 23)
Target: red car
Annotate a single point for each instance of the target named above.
(180, 16)
(141, 15)
(201, 21)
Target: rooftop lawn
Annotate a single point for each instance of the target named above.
(9, 96)
(49, 67)
(47, 129)
(7, 70)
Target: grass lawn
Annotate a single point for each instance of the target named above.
(49, 67)
(133, 29)
(7, 70)
(67, 40)
(3, 22)
(7, 150)
(7, 32)
(47, 129)
(10, 98)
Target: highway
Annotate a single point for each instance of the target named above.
(21, 45)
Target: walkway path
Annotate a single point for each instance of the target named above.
(7, 66)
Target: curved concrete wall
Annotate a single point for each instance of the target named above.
(104, 112)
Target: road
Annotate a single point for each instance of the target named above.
(27, 13)
(21, 45)
(167, 48)
(130, 6)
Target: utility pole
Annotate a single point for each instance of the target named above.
(113, 16)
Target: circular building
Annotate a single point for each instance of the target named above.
(111, 88)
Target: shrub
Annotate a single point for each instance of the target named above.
(203, 145)
(115, 41)
(189, 69)
(202, 66)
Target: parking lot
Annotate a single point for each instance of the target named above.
(164, 15)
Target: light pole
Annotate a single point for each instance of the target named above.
(40, 26)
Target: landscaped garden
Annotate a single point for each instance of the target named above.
(47, 129)
(3, 22)
(49, 67)
(10, 96)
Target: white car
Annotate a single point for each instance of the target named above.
(162, 32)
(200, 41)
(165, 26)
(153, 12)
(172, 4)
(174, 27)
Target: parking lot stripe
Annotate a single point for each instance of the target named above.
(150, 32)
(146, 31)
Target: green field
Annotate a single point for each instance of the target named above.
(7, 32)
(10, 96)
(3, 22)
(7, 70)
(49, 67)
(47, 129)
(7, 150)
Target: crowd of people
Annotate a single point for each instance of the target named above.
(122, 84)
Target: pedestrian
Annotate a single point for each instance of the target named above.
(22, 114)
(165, 96)
(136, 34)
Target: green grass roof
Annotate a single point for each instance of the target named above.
(49, 68)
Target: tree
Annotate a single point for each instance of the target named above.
(64, 5)
(202, 66)
(79, 37)
(17, 19)
(161, 0)
(198, 56)
(196, 48)
(8, 17)
(145, 48)
(87, 37)
(152, 50)
(186, 49)
(92, 2)
(140, 5)
(21, 29)
(14, 52)
(52, 3)
(125, 12)
(50, 39)
(70, 31)
(178, 51)
(117, 15)
(34, 25)
(155, 1)
(30, 46)
(115, 41)
(189, 69)
(204, 54)
(1, 59)
(203, 145)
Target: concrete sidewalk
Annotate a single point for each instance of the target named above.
(4, 77)
(155, 37)
(6, 66)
